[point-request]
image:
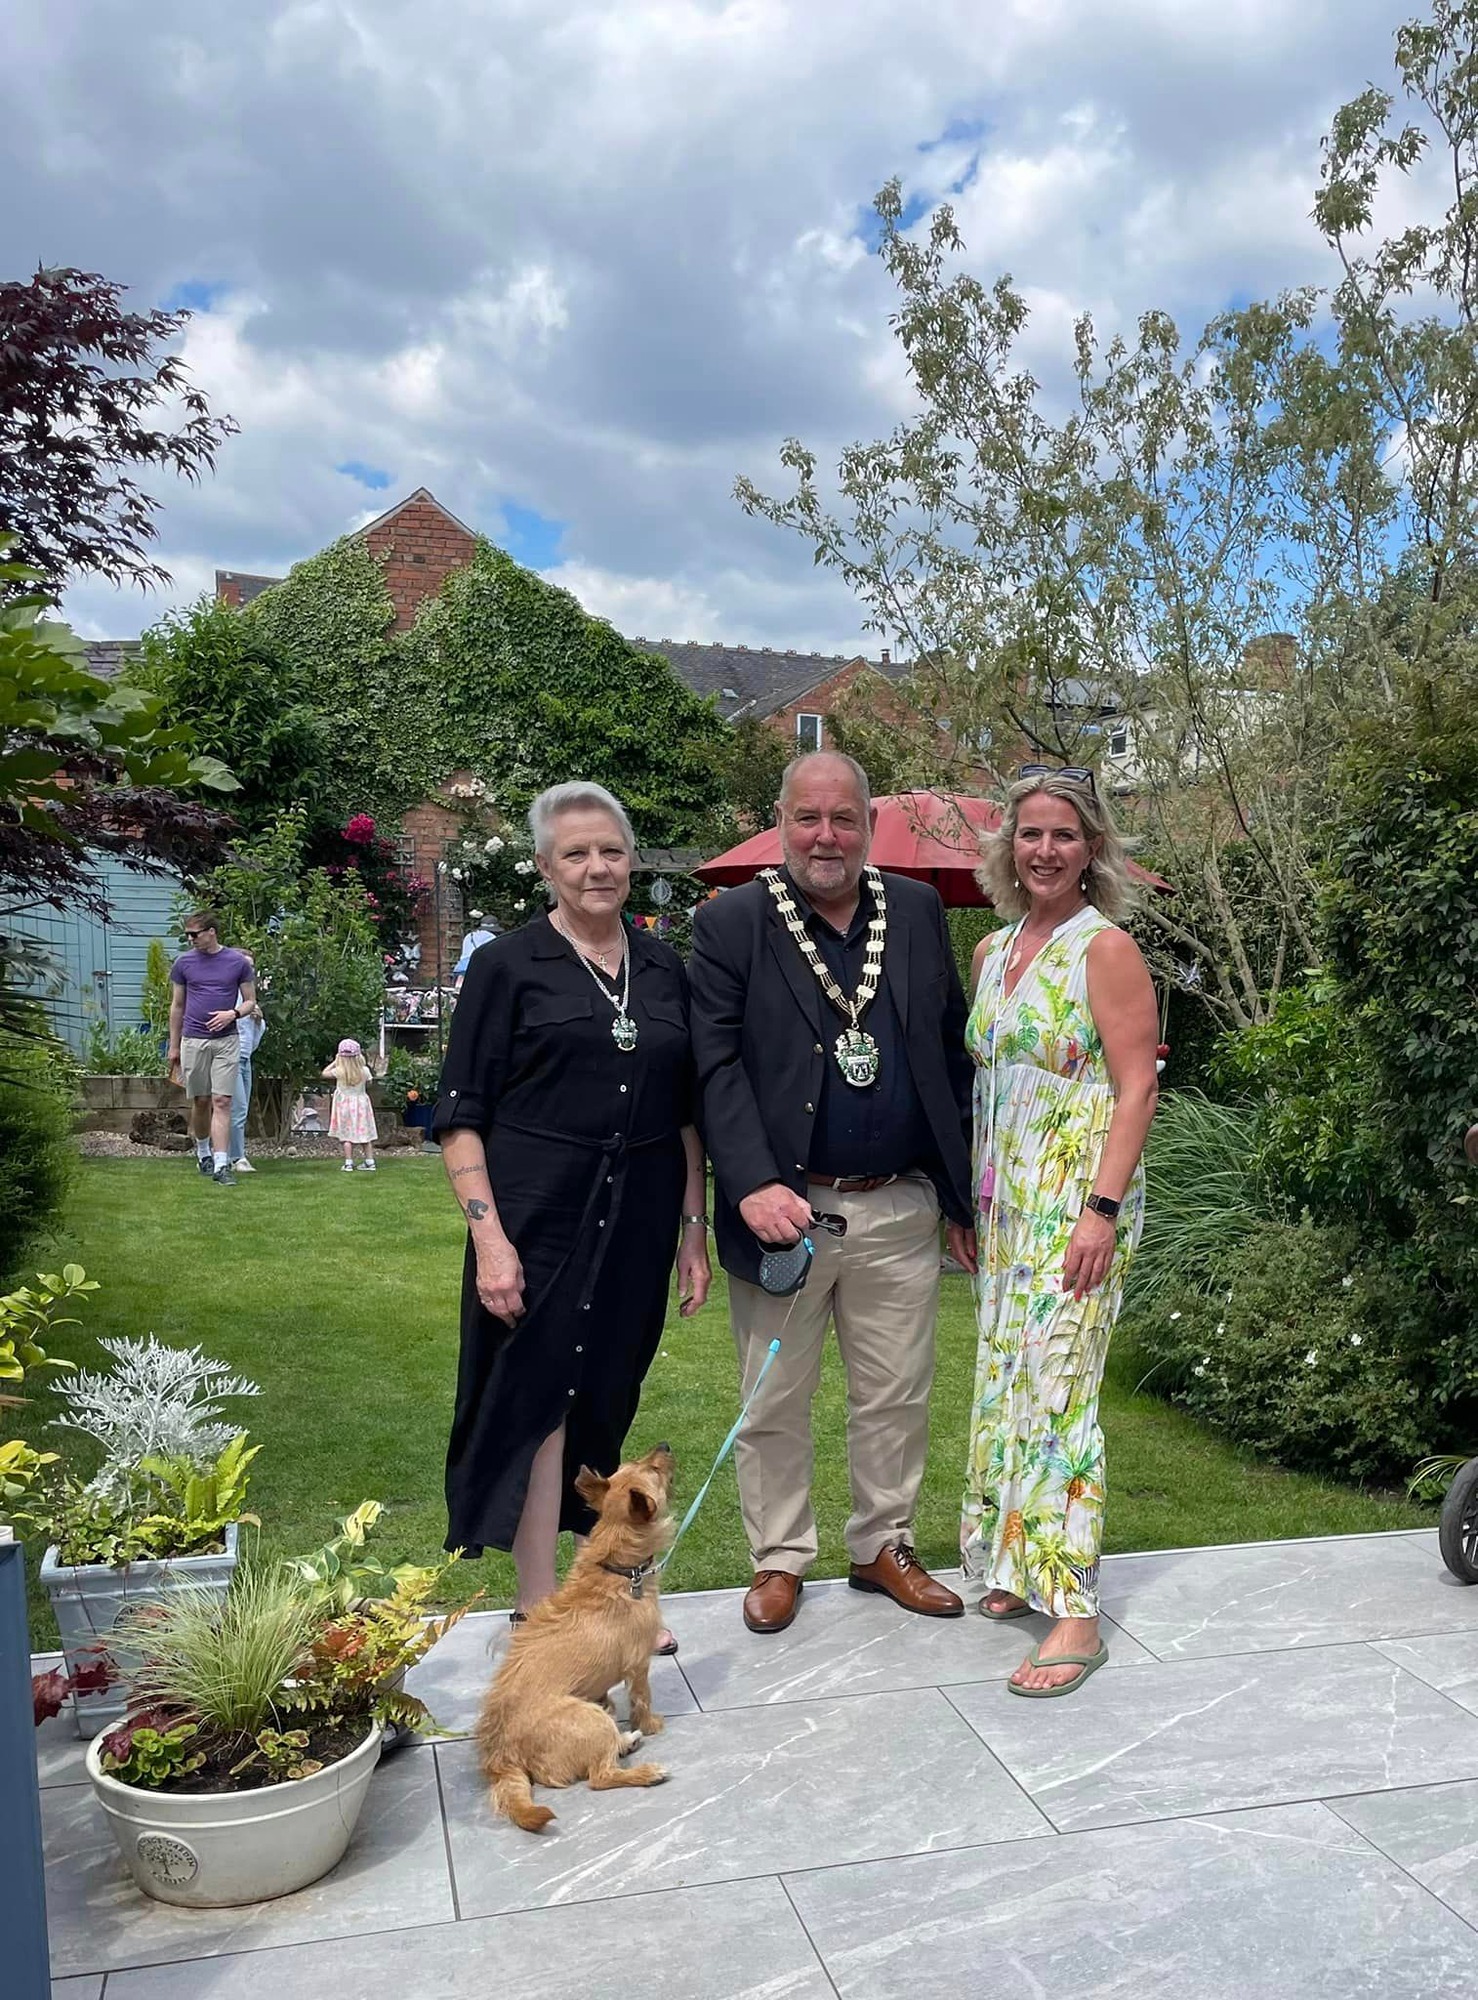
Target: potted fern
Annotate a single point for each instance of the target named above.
(254, 1723)
(160, 1514)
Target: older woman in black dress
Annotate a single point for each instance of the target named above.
(566, 1128)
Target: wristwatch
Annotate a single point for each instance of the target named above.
(1103, 1205)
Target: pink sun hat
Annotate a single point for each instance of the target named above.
(349, 1047)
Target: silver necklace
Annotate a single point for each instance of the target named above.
(623, 1028)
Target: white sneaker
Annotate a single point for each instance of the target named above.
(366, 1166)
(242, 1166)
(347, 1168)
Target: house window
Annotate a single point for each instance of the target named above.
(807, 733)
(1118, 742)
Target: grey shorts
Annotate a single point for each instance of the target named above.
(208, 1064)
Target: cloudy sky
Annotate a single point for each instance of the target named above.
(575, 266)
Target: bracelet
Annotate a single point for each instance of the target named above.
(695, 1220)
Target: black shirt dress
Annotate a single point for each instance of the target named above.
(585, 1154)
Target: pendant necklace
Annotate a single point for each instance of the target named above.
(857, 1054)
(623, 1028)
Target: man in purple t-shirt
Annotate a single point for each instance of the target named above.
(211, 986)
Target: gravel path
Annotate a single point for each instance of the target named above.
(315, 1146)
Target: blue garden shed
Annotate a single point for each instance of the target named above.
(103, 963)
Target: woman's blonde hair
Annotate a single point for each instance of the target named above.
(351, 1071)
(1106, 881)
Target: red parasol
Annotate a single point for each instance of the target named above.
(931, 836)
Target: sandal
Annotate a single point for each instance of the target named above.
(1089, 1662)
(1002, 1617)
(665, 1652)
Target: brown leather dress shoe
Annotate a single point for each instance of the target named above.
(896, 1572)
(771, 1601)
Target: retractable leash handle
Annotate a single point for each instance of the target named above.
(723, 1451)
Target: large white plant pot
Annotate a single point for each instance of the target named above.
(88, 1598)
(207, 1850)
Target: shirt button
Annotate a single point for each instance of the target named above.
(579, 1350)
(623, 1090)
(609, 1179)
(572, 1392)
(601, 1224)
(584, 1309)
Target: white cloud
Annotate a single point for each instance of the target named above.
(592, 258)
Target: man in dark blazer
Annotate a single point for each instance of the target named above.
(829, 1030)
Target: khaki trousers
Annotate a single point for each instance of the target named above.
(879, 1284)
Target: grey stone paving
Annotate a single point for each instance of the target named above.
(1274, 1790)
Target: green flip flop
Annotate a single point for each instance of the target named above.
(1002, 1617)
(1089, 1662)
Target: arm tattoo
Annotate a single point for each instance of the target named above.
(476, 1209)
(457, 1172)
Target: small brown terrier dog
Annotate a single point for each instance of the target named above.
(547, 1719)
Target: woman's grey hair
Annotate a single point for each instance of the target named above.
(558, 799)
(1106, 883)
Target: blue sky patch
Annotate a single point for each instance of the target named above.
(530, 538)
(197, 295)
(365, 475)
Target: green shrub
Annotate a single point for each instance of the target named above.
(37, 1082)
(1298, 1355)
(1319, 1143)
(966, 929)
(1201, 1196)
(131, 1052)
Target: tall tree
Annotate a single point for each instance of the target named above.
(84, 386)
(1193, 535)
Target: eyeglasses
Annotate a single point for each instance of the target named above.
(192, 935)
(1074, 773)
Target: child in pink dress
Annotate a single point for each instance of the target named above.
(352, 1118)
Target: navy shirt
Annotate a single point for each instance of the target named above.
(881, 1129)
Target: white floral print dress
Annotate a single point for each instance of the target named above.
(1032, 1517)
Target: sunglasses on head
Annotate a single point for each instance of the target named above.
(1075, 773)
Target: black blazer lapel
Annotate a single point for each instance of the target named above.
(798, 975)
(895, 960)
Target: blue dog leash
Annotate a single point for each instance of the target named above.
(723, 1451)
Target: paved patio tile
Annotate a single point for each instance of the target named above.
(752, 1792)
(1197, 1603)
(844, 1642)
(1249, 1906)
(88, 1988)
(1205, 1736)
(1448, 1662)
(1431, 1832)
(454, 1676)
(742, 1941)
(395, 1874)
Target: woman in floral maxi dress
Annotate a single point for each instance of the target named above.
(1063, 1030)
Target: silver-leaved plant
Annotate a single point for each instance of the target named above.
(157, 1402)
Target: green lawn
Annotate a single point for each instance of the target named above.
(339, 1297)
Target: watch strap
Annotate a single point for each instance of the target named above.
(1104, 1205)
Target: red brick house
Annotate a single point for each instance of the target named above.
(419, 543)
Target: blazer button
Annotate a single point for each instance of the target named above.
(819, 1050)
(811, 1107)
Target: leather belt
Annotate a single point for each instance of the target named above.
(853, 1183)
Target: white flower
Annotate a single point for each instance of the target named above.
(520, 904)
(1174, 1316)
(523, 867)
(1311, 1357)
(456, 874)
(492, 846)
(1221, 1326)
(1198, 1370)
(1347, 1280)
(1357, 1340)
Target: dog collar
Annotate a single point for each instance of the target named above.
(636, 1576)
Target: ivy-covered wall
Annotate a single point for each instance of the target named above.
(502, 674)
